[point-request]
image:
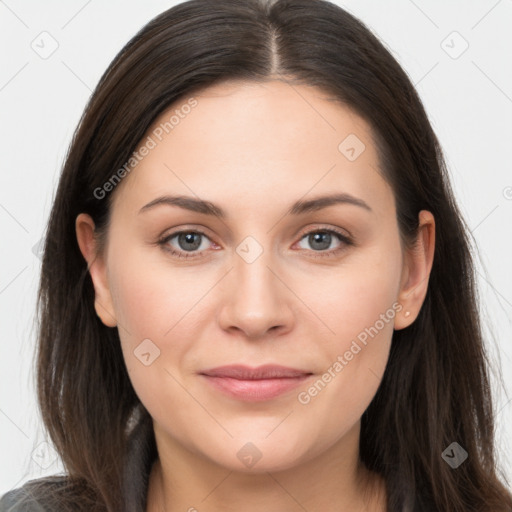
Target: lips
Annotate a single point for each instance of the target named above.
(254, 384)
(268, 371)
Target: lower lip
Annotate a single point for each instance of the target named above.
(255, 390)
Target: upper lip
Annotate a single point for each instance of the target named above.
(268, 371)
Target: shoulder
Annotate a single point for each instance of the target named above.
(39, 495)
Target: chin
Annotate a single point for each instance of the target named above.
(254, 457)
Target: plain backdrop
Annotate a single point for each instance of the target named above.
(53, 53)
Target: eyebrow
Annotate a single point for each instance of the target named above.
(298, 208)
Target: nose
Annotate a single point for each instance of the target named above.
(256, 300)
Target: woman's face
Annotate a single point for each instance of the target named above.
(270, 282)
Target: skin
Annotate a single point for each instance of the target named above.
(253, 150)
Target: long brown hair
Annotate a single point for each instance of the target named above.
(435, 389)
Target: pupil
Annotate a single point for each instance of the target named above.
(317, 238)
(188, 238)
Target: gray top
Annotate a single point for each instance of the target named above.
(141, 454)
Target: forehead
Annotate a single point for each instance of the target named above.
(265, 140)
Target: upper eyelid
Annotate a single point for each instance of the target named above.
(338, 231)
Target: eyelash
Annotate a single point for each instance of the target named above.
(347, 241)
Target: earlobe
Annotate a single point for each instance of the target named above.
(103, 304)
(416, 273)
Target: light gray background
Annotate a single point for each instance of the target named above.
(468, 97)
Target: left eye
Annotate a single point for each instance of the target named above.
(321, 240)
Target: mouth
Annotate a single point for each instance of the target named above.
(254, 384)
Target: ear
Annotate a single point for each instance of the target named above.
(85, 234)
(416, 272)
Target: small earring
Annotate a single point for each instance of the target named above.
(407, 313)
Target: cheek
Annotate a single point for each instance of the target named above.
(154, 306)
(352, 296)
(358, 304)
(151, 297)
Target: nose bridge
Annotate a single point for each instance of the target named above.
(256, 300)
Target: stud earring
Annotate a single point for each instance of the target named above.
(407, 313)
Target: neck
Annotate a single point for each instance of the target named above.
(335, 481)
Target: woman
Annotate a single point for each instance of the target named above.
(257, 290)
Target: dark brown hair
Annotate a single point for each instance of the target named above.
(435, 389)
